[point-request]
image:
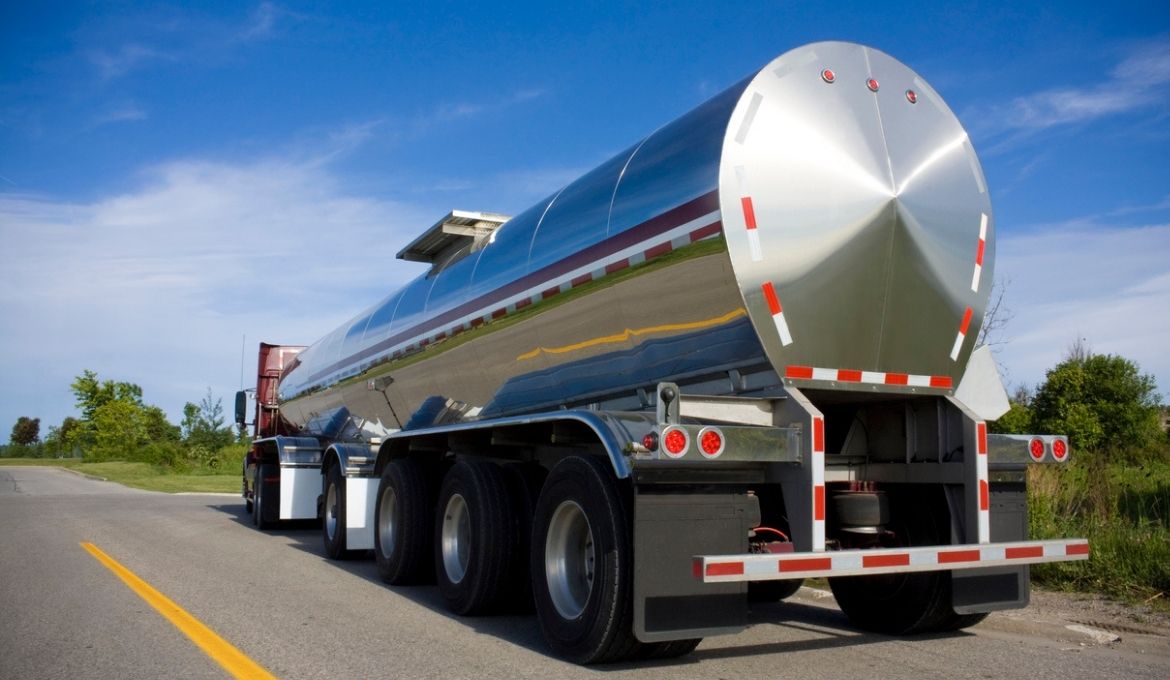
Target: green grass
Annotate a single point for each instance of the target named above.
(1124, 511)
(143, 475)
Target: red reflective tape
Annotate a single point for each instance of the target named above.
(952, 556)
(521, 304)
(966, 321)
(897, 379)
(894, 560)
(819, 502)
(979, 252)
(549, 293)
(942, 381)
(799, 372)
(477, 322)
(697, 568)
(617, 266)
(984, 495)
(499, 313)
(725, 569)
(1077, 549)
(584, 278)
(1023, 552)
(441, 336)
(749, 212)
(848, 375)
(806, 564)
(660, 249)
(981, 438)
(819, 435)
(709, 230)
(770, 296)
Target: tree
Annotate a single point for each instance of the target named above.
(1101, 401)
(203, 424)
(26, 431)
(92, 394)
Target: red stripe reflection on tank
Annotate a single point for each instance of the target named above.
(966, 321)
(582, 279)
(770, 296)
(709, 230)
(799, 372)
(660, 249)
(749, 212)
(617, 266)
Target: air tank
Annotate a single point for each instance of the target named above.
(823, 222)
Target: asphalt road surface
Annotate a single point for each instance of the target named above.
(277, 599)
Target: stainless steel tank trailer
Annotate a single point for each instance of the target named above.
(736, 355)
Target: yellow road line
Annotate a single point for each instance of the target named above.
(231, 659)
(632, 332)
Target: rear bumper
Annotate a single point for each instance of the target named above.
(768, 567)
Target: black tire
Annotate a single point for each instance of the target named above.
(477, 538)
(403, 520)
(333, 515)
(255, 496)
(903, 604)
(265, 514)
(247, 500)
(582, 563)
(773, 591)
(668, 650)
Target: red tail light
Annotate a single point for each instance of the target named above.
(710, 442)
(1059, 449)
(650, 442)
(675, 442)
(1036, 449)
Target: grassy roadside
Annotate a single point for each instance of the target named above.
(142, 475)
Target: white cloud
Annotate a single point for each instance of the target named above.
(119, 62)
(1084, 279)
(126, 113)
(157, 285)
(1137, 82)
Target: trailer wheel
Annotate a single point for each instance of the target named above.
(902, 604)
(403, 514)
(582, 564)
(477, 538)
(333, 520)
(263, 513)
(247, 500)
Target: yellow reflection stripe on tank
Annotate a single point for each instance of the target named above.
(634, 332)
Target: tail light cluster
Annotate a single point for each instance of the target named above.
(675, 442)
(1057, 446)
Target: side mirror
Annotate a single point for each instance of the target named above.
(241, 408)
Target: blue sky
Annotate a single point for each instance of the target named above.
(174, 178)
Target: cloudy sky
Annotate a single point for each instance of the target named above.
(175, 180)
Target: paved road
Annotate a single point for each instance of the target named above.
(276, 598)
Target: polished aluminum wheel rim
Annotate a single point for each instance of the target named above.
(456, 538)
(387, 521)
(569, 558)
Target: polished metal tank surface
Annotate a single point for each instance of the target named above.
(825, 221)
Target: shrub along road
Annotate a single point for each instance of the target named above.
(282, 605)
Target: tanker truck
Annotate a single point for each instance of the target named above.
(736, 355)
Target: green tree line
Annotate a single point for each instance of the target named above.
(115, 423)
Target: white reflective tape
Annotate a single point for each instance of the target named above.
(759, 567)
(847, 561)
(874, 378)
(983, 227)
(992, 552)
(824, 374)
(975, 278)
(782, 328)
(918, 380)
(984, 515)
(955, 350)
(924, 558)
(748, 117)
(754, 245)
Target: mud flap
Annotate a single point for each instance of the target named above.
(975, 591)
(669, 530)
